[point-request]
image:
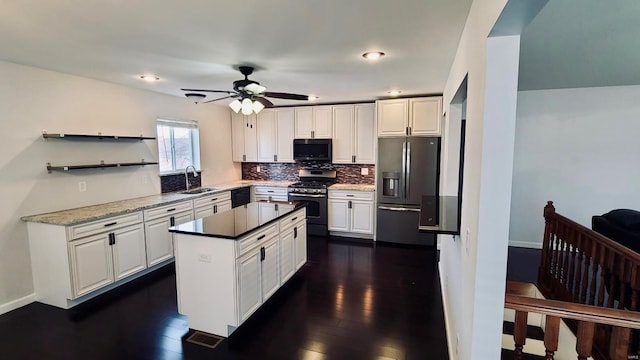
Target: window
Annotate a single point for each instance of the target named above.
(178, 145)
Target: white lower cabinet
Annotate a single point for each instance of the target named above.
(99, 260)
(240, 275)
(351, 212)
(249, 284)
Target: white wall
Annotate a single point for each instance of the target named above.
(579, 148)
(32, 100)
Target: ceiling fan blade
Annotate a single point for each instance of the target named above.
(263, 101)
(279, 95)
(213, 91)
(212, 100)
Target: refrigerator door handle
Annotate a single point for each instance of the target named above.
(407, 182)
(404, 170)
(397, 208)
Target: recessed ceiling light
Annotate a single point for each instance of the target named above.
(313, 98)
(394, 92)
(149, 78)
(373, 55)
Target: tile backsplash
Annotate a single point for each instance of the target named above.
(345, 173)
(175, 182)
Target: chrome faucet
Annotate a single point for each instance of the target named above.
(186, 175)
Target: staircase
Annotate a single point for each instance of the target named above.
(528, 309)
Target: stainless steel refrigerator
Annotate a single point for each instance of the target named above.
(408, 168)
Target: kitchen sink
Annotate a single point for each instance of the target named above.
(199, 190)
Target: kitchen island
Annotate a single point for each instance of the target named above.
(230, 263)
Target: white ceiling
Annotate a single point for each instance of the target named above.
(298, 46)
(582, 43)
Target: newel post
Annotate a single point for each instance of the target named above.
(549, 211)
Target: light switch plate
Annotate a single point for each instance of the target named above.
(364, 171)
(257, 168)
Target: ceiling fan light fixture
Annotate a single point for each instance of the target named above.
(235, 105)
(257, 106)
(196, 98)
(247, 106)
(255, 88)
(312, 98)
(373, 55)
(394, 92)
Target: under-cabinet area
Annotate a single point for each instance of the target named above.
(351, 213)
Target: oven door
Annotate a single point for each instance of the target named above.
(316, 206)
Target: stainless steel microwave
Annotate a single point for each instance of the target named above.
(312, 149)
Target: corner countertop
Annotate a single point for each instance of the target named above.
(85, 214)
(354, 187)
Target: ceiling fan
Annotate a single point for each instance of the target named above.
(249, 95)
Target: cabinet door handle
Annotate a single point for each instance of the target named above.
(353, 158)
(270, 191)
(110, 224)
(275, 157)
(112, 238)
(244, 157)
(172, 209)
(350, 205)
(350, 195)
(313, 134)
(261, 237)
(294, 219)
(215, 209)
(295, 232)
(263, 254)
(406, 130)
(410, 130)
(214, 199)
(276, 207)
(172, 221)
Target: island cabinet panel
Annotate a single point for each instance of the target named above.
(300, 241)
(270, 272)
(221, 282)
(249, 284)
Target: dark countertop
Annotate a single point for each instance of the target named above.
(237, 222)
(440, 215)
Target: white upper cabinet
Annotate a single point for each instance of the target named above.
(365, 136)
(353, 134)
(244, 137)
(343, 134)
(410, 117)
(267, 130)
(314, 122)
(285, 123)
(425, 115)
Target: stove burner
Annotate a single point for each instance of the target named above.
(309, 184)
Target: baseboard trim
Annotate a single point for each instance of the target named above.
(447, 321)
(18, 303)
(525, 244)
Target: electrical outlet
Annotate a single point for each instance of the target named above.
(364, 171)
(82, 186)
(257, 168)
(204, 258)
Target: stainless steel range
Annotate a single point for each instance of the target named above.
(312, 189)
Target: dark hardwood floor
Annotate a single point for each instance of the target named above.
(353, 300)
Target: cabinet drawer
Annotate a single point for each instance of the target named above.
(211, 199)
(351, 195)
(96, 227)
(252, 240)
(167, 210)
(270, 191)
(292, 219)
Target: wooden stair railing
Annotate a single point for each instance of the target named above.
(581, 266)
(587, 316)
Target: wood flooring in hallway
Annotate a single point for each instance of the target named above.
(353, 300)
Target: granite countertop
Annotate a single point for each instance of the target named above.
(355, 187)
(85, 214)
(237, 222)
